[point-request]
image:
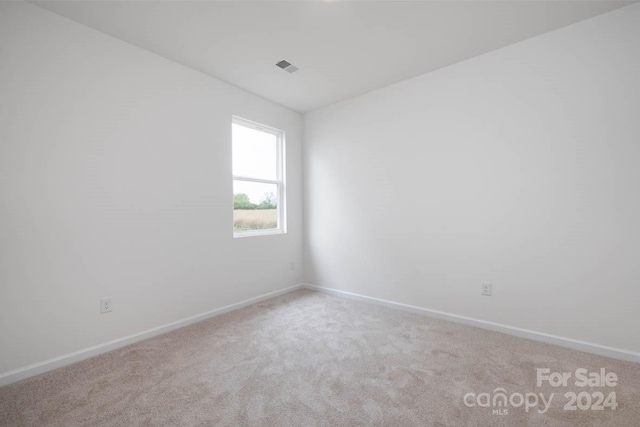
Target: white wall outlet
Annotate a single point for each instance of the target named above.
(106, 306)
(486, 289)
(292, 266)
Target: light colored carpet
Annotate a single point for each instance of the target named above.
(311, 359)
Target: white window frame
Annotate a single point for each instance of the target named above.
(279, 181)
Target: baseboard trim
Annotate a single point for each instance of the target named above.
(67, 359)
(77, 356)
(600, 350)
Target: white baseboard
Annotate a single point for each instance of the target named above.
(67, 359)
(600, 350)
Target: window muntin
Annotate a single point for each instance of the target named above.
(258, 179)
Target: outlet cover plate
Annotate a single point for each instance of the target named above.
(106, 305)
(486, 289)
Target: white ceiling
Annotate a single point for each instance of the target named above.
(342, 48)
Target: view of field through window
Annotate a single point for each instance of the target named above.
(255, 179)
(255, 206)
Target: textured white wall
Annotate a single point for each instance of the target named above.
(519, 167)
(115, 180)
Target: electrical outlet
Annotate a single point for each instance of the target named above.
(292, 266)
(486, 289)
(106, 306)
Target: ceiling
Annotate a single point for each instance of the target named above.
(343, 48)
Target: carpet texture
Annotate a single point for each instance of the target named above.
(311, 359)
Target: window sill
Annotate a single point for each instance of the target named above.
(255, 233)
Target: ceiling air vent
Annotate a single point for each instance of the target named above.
(287, 66)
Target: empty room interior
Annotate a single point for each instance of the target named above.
(320, 213)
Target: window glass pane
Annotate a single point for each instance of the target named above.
(255, 206)
(254, 153)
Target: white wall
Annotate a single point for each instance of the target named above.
(115, 180)
(519, 167)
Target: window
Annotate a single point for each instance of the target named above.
(258, 179)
